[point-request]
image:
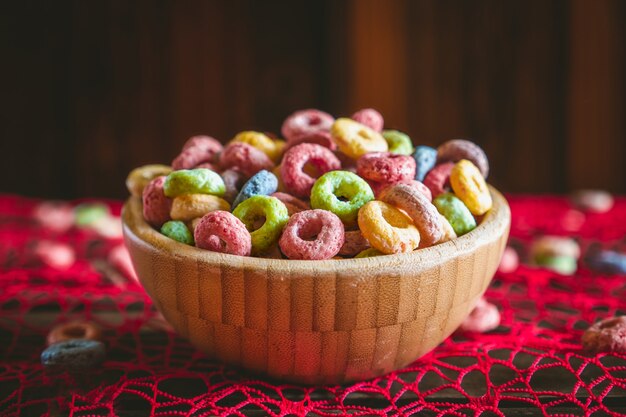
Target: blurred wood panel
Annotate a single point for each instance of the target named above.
(597, 95)
(93, 89)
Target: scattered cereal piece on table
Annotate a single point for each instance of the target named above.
(484, 317)
(608, 335)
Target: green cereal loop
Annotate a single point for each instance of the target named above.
(88, 213)
(398, 142)
(177, 230)
(330, 187)
(276, 216)
(564, 265)
(193, 181)
(369, 253)
(455, 212)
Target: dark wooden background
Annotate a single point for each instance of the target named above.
(91, 89)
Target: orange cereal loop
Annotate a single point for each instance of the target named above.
(469, 186)
(74, 330)
(355, 139)
(186, 207)
(388, 229)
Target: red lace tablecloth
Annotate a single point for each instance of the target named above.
(533, 361)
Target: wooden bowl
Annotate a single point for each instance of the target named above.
(317, 322)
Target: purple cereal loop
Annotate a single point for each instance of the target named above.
(233, 181)
(608, 335)
(456, 149)
(324, 225)
(156, 206)
(354, 243)
(370, 118)
(294, 204)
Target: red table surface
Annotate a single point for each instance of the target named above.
(532, 362)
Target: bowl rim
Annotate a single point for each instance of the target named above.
(494, 223)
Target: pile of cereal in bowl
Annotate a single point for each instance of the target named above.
(333, 188)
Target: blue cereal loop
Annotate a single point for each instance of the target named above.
(261, 183)
(425, 159)
(74, 354)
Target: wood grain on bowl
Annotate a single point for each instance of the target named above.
(314, 322)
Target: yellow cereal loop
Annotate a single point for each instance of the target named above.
(469, 186)
(387, 229)
(260, 141)
(187, 207)
(281, 185)
(279, 149)
(355, 139)
(140, 177)
(448, 231)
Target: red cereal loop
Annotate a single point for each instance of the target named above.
(312, 235)
(483, 318)
(207, 165)
(298, 182)
(423, 213)
(293, 204)
(306, 122)
(386, 167)
(438, 179)
(354, 243)
(322, 138)
(370, 118)
(74, 330)
(196, 151)
(245, 158)
(608, 335)
(156, 206)
(204, 142)
(221, 231)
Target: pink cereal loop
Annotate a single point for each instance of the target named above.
(244, 158)
(423, 213)
(204, 142)
(417, 185)
(196, 151)
(156, 206)
(324, 225)
(306, 122)
(370, 118)
(294, 178)
(483, 318)
(221, 231)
